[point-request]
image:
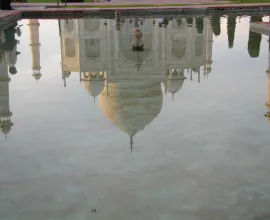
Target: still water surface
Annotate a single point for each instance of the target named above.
(98, 131)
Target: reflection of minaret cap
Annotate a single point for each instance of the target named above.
(131, 109)
(208, 68)
(93, 87)
(66, 74)
(37, 76)
(5, 130)
(267, 114)
(5, 126)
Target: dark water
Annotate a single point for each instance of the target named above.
(94, 130)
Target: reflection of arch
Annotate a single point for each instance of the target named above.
(91, 24)
(92, 48)
(179, 47)
(126, 47)
(70, 47)
(69, 25)
(198, 45)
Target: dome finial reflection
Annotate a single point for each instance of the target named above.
(131, 143)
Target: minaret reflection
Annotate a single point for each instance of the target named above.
(5, 113)
(256, 31)
(208, 48)
(35, 47)
(8, 58)
(123, 63)
(267, 104)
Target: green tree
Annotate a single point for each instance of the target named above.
(179, 21)
(199, 25)
(215, 21)
(231, 24)
(190, 21)
(254, 39)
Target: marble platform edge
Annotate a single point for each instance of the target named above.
(7, 18)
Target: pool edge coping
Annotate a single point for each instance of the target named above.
(15, 15)
(9, 17)
(129, 11)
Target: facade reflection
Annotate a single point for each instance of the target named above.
(126, 82)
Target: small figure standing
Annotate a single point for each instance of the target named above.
(137, 43)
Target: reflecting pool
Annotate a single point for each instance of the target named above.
(96, 126)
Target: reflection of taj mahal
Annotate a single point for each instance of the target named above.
(128, 82)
